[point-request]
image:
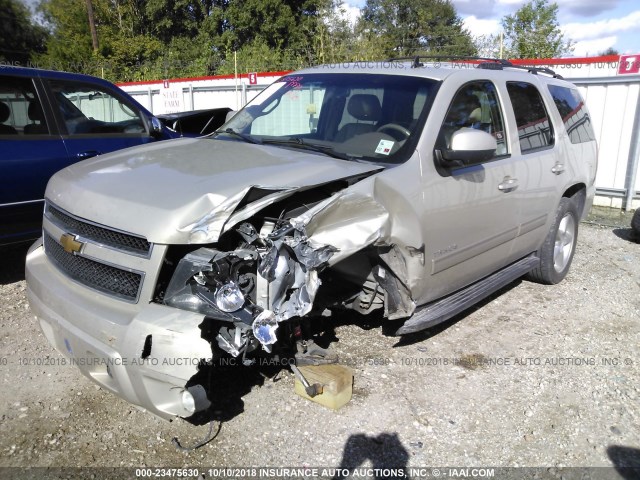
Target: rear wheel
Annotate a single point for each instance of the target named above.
(556, 253)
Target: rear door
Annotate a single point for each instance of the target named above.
(537, 165)
(32, 150)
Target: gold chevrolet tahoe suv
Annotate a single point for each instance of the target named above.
(408, 190)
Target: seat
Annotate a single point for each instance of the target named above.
(34, 111)
(364, 108)
(465, 111)
(5, 113)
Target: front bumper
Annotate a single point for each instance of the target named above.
(105, 338)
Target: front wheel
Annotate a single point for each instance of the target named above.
(556, 253)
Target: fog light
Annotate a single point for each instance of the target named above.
(194, 399)
(229, 297)
(188, 402)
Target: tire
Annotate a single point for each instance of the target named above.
(635, 226)
(556, 253)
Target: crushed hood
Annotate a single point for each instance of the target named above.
(162, 189)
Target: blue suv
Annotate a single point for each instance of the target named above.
(49, 120)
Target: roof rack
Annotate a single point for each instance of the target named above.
(486, 63)
(417, 59)
(536, 70)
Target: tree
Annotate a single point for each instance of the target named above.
(609, 51)
(20, 38)
(152, 39)
(488, 46)
(139, 40)
(533, 32)
(169, 19)
(408, 27)
(69, 46)
(332, 39)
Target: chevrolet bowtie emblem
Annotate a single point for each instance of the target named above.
(70, 244)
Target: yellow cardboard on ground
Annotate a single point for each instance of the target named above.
(336, 381)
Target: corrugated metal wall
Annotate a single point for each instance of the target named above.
(613, 105)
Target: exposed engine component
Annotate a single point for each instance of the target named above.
(291, 266)
(223, 285)
(273, 274)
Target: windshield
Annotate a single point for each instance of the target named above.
(352, 116)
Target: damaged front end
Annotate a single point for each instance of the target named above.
(269, 278)
(267, 270)
(250, 294)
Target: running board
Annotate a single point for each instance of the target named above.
(442, 310)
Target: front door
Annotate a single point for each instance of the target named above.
(470, 222)
(96, 120)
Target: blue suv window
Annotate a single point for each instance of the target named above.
(87, 110)
(20, 109)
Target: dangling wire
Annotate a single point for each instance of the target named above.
(210, 436)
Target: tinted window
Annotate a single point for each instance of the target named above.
(534, 128)
(574, 113)
(20, 109)
(476, 106)
(87, 110)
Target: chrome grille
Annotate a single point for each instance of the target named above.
(111, 238)
(97, 275)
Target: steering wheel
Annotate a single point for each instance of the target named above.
(395, 127)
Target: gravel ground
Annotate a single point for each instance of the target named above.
(535, 376)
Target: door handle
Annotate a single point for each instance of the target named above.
(558, 168)
(87, 154)
(508, 184)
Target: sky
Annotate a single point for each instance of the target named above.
(595, 25)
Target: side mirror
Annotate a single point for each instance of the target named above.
(156, 127)
(468, 147)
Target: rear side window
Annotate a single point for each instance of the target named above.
(574, 113)
(20, 109)
(534, 128)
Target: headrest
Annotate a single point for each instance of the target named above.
(364, 107)
(476, 116)
(465, 105)
(34, 111)
(5, 112)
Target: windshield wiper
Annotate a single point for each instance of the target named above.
(300, 143)
(243, 136)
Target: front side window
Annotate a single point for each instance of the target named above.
(20, 109)
(87, 110)
(574, 113)
(475, 105)
(534, 128)
(352, 116)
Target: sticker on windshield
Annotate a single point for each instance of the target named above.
(384, 147)
(293, 82)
